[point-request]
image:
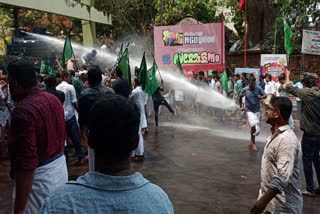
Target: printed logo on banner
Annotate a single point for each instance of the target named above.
(172, 39)
(273, 64)
(199, 47)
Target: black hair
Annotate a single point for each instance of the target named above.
(58, 75)
(50, 81)
(261, 76)
(84, 67)
(23, 72)
(72, 73)
(94, 76)
(65, 74)
(201, 73)
(94, 51)
(238, 75)
(118, 72)
(113, 127)
(269, 76)
(284, 105)
(252, 79)
(281, 77)
(251, 75)
(309, 81)
(136, 81)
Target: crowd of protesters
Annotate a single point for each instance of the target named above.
(45, 116)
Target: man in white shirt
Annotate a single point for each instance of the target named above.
(270, 89)
(70, 105)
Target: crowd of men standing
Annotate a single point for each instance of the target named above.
(104, 123)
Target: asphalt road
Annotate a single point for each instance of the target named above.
(205, 167)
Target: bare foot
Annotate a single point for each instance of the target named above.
(253, 147)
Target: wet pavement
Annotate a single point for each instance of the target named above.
(205, 167)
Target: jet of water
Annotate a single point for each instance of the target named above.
(174, 79)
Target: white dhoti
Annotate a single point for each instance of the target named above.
(254, 121)
(46, 180)
(140, 149)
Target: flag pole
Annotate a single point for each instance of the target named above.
(157, 68)
(245, 35)
(222, 40)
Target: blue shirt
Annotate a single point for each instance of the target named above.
(98, 193)
(252, 100)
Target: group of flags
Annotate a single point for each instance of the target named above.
(147, 77)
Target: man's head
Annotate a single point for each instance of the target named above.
(118, 72)
(268, 77)
(22, 76)
(301, 77)
(113, 128)
(281, 78)
(252, 82)
(72, 73)
(261, 78)
(237, 77)
(216, 78)
(50, 82)
(66, 76)
(279, 111)
(201, 75)
(83, 68)
(210, 78)
(136, 82)
(94, 76)
(243, 76)
(94, 52)
(308, 81)
(248, 75)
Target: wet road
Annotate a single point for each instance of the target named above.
(204, 167)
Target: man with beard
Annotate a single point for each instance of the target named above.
(280, 167)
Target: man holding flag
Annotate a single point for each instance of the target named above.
(151, 86)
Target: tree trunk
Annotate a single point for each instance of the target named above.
(261, 18)
(15, 20)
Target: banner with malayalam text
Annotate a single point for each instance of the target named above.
(311, 42)
(199, 46)
(273, 64)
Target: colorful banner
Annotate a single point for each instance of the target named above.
(311, 42)
(199, 46)
(273, 64)
(254, 71)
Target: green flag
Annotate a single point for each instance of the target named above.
(224, 81)
(51, 70)
(42, 67)
(124, 66)
(287, 38)
(120, 52)
(179, 66)
(151, 80)
(143, 72)
(67, 52)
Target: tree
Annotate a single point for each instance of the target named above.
(6, 30)
(265, 18)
